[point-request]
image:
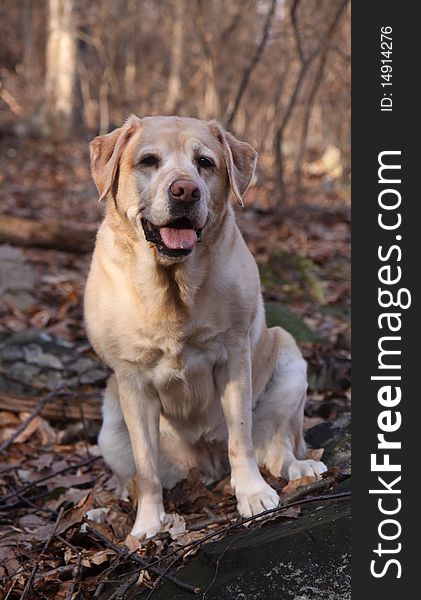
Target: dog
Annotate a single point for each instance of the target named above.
(173, 306)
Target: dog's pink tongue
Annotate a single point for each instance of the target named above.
(178, 239)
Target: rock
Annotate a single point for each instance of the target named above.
(17, 279)
(33, 357)
(278, 314)
(333, 373)
(335, 438)
(83, 365)
(93, 376)
(307, 558)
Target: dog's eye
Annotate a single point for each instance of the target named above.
(205, 162)
(150, 160)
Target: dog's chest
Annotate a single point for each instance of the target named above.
(187, 374)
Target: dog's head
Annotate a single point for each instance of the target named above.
(172, 177)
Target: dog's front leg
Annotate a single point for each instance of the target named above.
(141, 408)
(253, 494)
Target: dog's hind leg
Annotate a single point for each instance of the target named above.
(114, 440)
(278, 419)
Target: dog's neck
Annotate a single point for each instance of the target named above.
(167, 291)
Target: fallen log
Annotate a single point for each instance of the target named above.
(52, 235)
(62, 408)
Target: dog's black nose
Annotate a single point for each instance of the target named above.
(184, 190)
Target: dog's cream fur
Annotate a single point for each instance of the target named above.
(199, 380)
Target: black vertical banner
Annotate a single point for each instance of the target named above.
(386, 252)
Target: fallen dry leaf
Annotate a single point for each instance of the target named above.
(8, 419)
(29, 430)
(296, 483)
(69, 480)
(102, 556)
(190, 494)
(8, 560)
(133, 543)
(70, 556)
(175, 525)
(315, 454)
(47, 433)
(76, 514)
(191, 536)
(98, 558)
(120, 522)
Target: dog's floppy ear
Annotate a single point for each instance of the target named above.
(240, 160)
(106, 151)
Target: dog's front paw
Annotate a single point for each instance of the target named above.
(255, 498)
(303, 468)
(149, 522)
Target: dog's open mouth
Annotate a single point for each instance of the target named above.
(176, 239)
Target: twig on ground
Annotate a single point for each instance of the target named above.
(8, 468)
(43, 509)
(40, 555)
(24, 501)
(304, 490)
(82, 463)
(5, 445)
(121, 591)
(10, 590)
(144, 564)
(212, 520)
(76, 569)
(105, 580)
(61, 570)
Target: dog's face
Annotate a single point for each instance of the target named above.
(171, 177)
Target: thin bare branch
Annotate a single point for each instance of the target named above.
(31, 577)
(251, 66)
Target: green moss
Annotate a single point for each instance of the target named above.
(277, 314)
(293, 274)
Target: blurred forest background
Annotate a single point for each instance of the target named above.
(274, 72)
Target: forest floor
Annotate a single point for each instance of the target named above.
(63, 533)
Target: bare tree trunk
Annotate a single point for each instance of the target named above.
(58, 410)
(130, 70)
(104, 114)
(306, 62)
(279, 134)
(211, 104)
(89, 106)
(173, 99)
(251, 66)
(34, 234)
(60, 70)
(313, 93)
(28, 40)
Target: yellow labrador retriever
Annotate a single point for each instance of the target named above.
(173, 306)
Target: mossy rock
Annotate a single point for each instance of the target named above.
(277, 314)
(298, 276)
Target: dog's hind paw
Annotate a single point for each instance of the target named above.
(305, 468)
